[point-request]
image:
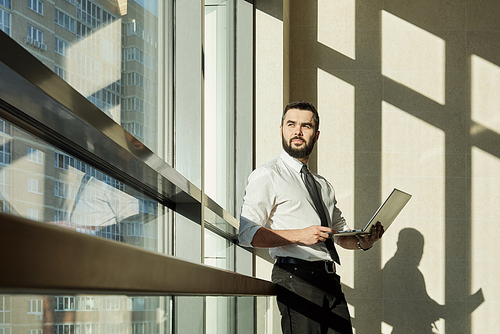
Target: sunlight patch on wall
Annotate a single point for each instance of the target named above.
(336, 148)
(386, 328)
(269, 86)
(336, 25)
(485, 192)
(413, 57)
(337, 119)
(485, 84)
(485, 270)
(413, 160)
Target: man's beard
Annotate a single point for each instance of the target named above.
(297, 153)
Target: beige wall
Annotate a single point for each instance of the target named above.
(407, 92)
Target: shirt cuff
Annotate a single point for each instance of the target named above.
(247, 231)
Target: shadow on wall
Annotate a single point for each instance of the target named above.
(407, 305)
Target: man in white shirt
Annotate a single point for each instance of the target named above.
(280, 213)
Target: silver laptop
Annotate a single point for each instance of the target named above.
(385, 214)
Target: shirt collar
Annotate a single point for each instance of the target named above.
(294, 163)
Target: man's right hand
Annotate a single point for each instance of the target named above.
(314, 234)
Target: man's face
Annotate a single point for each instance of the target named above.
(298, 133)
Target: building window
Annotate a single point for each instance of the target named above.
(135, 79)
(35, 331)
(145, 327)
(82, 328)
(5, 309)
(35, 306)
(87, 304)
(83, 31)
(113, 182)
(62, 73)
(86, 38)
(87, 67)
(64, 161)
(63, 190)
(113, 303)
(5, 127)
(35, 155)
(135, 104)
(135, 28)
(35, 38)
(5, 21)
(65, 303)
(65, 21)
(89, 13)
(32, 214)
(111, 232)
(135, 229)
(5, 150)
(36, 5)
(35, 34)
(64, 328)
(62, 47)
(60, 217)
(150, 207)
(34, 186)
(141, 230)
(136, 54)
(5, 3)
(110, 100)
(135, 129)
(5, 177)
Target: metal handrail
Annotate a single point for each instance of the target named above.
(44, 259)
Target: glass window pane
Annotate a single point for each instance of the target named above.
(219, 104)
(85, 47)
(89, 320)
(220, 311)
(72, 194)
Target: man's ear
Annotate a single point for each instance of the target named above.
(316, 137)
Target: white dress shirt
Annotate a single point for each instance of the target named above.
(276, 197)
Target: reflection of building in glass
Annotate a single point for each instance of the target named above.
(79, 314)
(44, 184)
(51, 186)
(110, 59)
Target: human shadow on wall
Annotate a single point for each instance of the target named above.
(408, 308)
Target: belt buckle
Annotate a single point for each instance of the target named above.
(327, 267)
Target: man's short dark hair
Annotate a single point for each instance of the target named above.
(302, 105)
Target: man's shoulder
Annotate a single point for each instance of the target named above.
(275, 165)
(270, 168)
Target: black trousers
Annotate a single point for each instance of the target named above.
(310, 300)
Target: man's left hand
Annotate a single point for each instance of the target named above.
(367, 240)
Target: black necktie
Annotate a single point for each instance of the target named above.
(318, 203)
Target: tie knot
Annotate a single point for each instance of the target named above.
(304, 170)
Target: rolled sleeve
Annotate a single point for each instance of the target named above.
(257, 207)
(338, 222)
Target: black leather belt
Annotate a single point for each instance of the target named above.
(327, 266)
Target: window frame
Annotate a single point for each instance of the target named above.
(35, 34)
(36, 6)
